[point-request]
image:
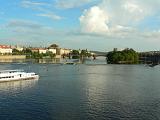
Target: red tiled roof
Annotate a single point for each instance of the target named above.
(5, 46)
(42, 49)
(34, 49)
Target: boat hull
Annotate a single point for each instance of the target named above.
(36, 77)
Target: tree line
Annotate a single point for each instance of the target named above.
(76, 54)
(35, 55)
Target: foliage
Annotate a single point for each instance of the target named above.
(75, 57)
(27, 51)
(16, 52)
(85, 53)
(75, 54)
(53, 46)
(126, 56)
(50, 54)
(34, 55)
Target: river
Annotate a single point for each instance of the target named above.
(82, 92)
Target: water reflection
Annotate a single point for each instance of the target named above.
(96, 83)
(98, 60)
(48, 60)
(17, 85)
(12, 60)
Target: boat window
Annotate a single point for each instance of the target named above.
(3, 77)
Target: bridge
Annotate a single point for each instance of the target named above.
(152, 58)
(98, 54)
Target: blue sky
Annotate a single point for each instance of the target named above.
(93, 24)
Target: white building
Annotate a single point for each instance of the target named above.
(42, 50)
(5, 49)
(64, 51)
(35, 50)
(52, 50)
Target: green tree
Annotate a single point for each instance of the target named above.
(126, 56)
(85, 53)
(50, 54)
(16, 52)
(75, 54)
(27, 52)
(53, 46)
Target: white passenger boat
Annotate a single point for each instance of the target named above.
(12, 75)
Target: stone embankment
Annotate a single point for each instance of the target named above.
(12, 57)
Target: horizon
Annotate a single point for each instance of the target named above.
(99, 25)
(91, 50)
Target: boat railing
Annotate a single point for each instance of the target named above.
(11, 71)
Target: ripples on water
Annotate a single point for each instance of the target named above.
(82, 92)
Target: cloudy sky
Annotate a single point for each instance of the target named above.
(93, 24)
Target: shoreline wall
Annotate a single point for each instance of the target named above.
(12, 57)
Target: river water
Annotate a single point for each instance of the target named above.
(82, 92)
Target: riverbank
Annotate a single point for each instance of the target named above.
(12, 57)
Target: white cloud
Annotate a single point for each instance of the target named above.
(23, 24)
(67, 4)
(23, 27)
(134, 11)
(28, 33)
(131, 7)
(36, 6)
(124, 12)
(97, 21)
(117, 16)
(28, 4)
(51, 16)
(94, 20)
(44, 7)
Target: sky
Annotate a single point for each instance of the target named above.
(81, 24)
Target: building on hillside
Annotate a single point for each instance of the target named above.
(35, 50)
(42, 50)
(5, 49)
(54, 48)
(64, 51)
